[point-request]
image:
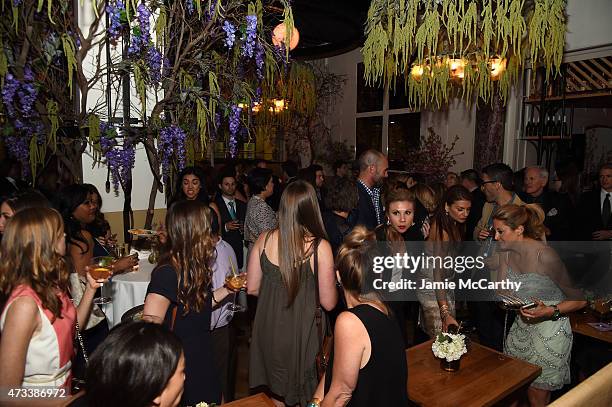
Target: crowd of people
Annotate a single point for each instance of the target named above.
(306, 244)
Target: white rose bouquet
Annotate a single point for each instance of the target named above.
(449, 346)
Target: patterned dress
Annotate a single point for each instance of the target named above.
(51, 348)
(548, 343)
(259, 218)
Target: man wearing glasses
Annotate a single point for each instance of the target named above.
(497, 187)
(497, 180)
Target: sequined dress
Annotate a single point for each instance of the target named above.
(548, 343)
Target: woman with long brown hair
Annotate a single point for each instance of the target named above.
(180, 295)
(447, 232)
(283, 274)
(38, 321)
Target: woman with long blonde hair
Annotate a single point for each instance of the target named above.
(38, 320)
(180, 295)
(283, 274)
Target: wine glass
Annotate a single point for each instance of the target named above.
(101, 267)
(235, 281)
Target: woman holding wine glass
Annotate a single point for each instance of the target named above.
(78, 206)
(180, 295)
(38, 320)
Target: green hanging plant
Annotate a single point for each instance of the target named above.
(475, 31)
(69, 52)
(52, 110)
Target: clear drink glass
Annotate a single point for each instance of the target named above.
(102, 268)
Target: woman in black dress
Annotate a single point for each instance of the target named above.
(368, 365)
(180, 295)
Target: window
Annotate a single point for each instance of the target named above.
(384, 121)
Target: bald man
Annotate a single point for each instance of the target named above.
(373, 166)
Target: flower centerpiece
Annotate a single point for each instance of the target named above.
(449, 348)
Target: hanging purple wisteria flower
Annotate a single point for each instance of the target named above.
(171, 143)
(142, 36)
(154, 61)
(259, 59)
(119, 159)
(250, 36)
(114, 15)
(230, 34)
(234, 126)
(10, 88)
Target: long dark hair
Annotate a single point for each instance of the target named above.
(100, 225)
(299, 218)
(190, 249)
(179, 195)
(138, 357)
(442, 222)
(68, 200)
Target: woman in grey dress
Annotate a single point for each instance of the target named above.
(280, 272)
(541, 335)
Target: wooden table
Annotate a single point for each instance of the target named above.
(580, 325)
(258, 400)
(485, 377)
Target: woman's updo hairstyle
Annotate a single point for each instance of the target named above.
(354, 262)
(531, 217)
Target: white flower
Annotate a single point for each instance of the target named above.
(449, 346)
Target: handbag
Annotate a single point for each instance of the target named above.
(326, 339)
(78, 384)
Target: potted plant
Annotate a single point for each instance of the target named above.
(449, 347)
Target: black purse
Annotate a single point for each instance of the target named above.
(78, 384)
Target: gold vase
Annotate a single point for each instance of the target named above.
(452, 366)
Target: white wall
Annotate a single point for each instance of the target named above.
(456, 119)
(589, 24)
(142, 180)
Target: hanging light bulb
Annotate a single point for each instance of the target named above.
(279, 36)
(457, 67)
(417, 72)
(498, 66)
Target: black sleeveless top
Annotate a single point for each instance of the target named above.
(383, 380)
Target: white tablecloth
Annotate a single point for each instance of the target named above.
(128, 291)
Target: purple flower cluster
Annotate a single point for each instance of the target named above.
(234, 126)
(141, 39)
(18, 98)
(120, 160)
(230, 34)
(250, 36)
(26, 94)
(16, 3)
(259, 59)
(155, 60)
(114, 14)
(171, 143)
(11, 85)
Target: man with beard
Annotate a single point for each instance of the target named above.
(373, 166)
(232, 212)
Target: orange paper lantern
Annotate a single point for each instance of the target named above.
(278, 36)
